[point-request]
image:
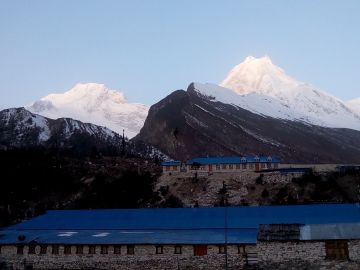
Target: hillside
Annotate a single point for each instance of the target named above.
(35, 180)
(220, 189)
(188, 123)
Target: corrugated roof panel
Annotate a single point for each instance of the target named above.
(173, 224)
(330, 231)
(215, 236)
(171, 163)
(232, 160)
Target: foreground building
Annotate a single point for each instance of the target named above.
(223, 164)
(267, 237)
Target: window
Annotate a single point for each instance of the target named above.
(167, 168)
(238, 166)
(230, 166)
(224, 166)
(43, 249)
(32, 249)
(200, 250)
(55, 249)
(104, 250)
(222, 249)
(67, 249)
(251, 166)
(241, 249)
(262, 165)
(117, 249)
(130, 250)
(92, 249)
(337, 250)
(244, 166)
(177, 250)
(159, 250)
(268, 165)
(217, 167)
(79, 249)
(276, 165)
(20, 250)
(174, 168)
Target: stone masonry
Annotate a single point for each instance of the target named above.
(145, 257)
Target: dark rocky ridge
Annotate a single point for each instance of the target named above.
(20, 128)
(187, 124)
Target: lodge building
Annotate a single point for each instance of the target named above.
(222, 164)
(268, 237)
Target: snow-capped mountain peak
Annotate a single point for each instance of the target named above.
(94, 103)
(87, 94)
(354, 105)
(261, 86)
(260, 75)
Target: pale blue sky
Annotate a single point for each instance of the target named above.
(149, 48)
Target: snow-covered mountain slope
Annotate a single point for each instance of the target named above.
(96, 104)
(260, 86)
(22, 121)
(354, 105)
(20, 127)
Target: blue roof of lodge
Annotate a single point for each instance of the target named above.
(171, 225)
(171, 163)
(231, 160)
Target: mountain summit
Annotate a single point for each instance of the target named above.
(259, 81)
(260, 75)
(94, 103)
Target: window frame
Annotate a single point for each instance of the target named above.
(91, 249)
(20, 249)
(159, 249)
(43, 249)
(67, 250)
(117, 249)
(130, 249)
(55, 249)
(222, 249)
(32, 249)
(79, 249)
(177, 249)
(337, 250)
(104, 249)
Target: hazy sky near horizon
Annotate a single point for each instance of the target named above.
(147, 49)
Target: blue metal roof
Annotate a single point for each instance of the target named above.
(171, 163)
(206, 236)
(232, 160)
(171, 225)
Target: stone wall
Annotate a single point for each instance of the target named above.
(304, 255)
(145, 257)
(277, 177)
(354, 250)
